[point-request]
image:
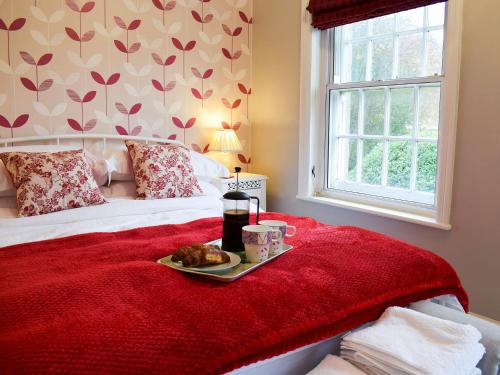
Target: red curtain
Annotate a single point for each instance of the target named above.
(331, 13)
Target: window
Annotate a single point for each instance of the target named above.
(390, 86)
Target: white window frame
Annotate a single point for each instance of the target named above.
(315, 73)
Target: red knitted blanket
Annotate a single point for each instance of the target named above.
(99, 303)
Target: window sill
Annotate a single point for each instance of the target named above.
(380, 211)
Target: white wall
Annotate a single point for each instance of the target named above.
(473, 244)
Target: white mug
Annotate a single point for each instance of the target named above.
(258, 240)
(284, 229)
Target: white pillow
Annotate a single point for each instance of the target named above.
(99, 167)
(120, 166)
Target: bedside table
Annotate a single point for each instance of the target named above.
(250, 183)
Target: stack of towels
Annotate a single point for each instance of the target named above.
(404, 342)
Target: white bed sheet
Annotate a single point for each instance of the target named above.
(119, 214)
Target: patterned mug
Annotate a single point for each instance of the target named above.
(285, 231)
(258, 240)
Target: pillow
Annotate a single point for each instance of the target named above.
(99, 166)
(49, 182)
(162, 171)
(120, 166)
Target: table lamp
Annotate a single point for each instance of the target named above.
(226, 140)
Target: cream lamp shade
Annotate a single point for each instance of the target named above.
(226, 140)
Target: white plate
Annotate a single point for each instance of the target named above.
(234, 260)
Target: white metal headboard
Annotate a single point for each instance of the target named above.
(5, 142)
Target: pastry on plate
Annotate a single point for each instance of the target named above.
(200, 255)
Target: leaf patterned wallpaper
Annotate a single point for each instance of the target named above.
(168, 68)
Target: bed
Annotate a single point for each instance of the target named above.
(162, 218)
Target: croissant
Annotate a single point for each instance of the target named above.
(200, 255)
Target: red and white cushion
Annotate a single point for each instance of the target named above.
(162, 171)
(49, 182)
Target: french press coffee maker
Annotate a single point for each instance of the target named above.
(236, 216)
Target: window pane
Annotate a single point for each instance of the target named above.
(426, 166)
(435, 14)
(410, 19)
(374, 112)
(410, 55)
(349, 112)
(373, 154)
(402, 111)
(382, 58)
(348, 156)
(399, 165)
(434, 52)
(383, 25)
(354, 61)
(428, 112)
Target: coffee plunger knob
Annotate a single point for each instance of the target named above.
(237, 169)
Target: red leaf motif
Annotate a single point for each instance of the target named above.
(121, 24)
(196, 72)
(170, 86)
(3, 26)
(196, 16)
(177, 43)
(158, 4)
(97, 77)
(225, 125)
(157, 59)
(134, 24)
(17, 24)
(89, 96)
(249, 160)
(28, 84)
(236, 126)
(74, 96)
(196, 147)
(208, 94)
(242, 158)
(236, 103)
(72, 34)
(242, 88)
(113, 78)
(170, 5)
(227, 54)
(170, 60)
(237, 31)
(207, 148)
(227, 30)
(121, 130)
(20, 121)
(136, 130)
(226, 103)
(87, 7)
(177, 122)
(172, 137)
(121, 47)
(27, 58)
(75, 125)
(4, 123)
(89, 125)
(190, 123)
(72, 5)
(135, 108)
(87, 37)
(157, 85)
(134, 47)
(237, 55)
(208, 18)
(243, 17)
(44, 59)
(121, 108)
(207, 73)
(45, 85)
(190, 45)
(196, 93)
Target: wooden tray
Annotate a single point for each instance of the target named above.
(224, 276)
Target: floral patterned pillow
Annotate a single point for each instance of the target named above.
(49, 182)
(162, 171)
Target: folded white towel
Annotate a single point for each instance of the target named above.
(333, 365)
(404, 341)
